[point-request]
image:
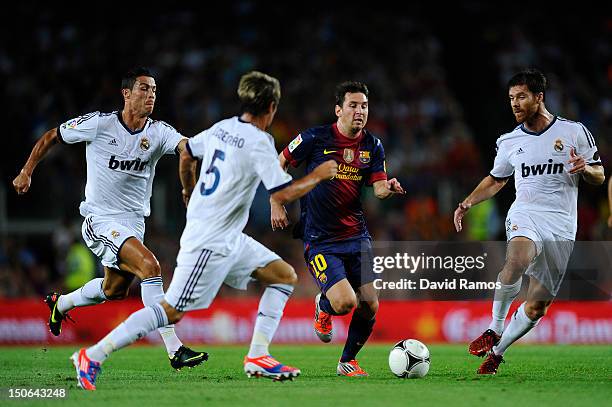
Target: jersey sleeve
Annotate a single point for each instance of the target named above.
(586, 146)
(267, 166)
(195, 145)
(502, 167)
(378, 170)
(299, 149)
(170, 139)
(82, 128)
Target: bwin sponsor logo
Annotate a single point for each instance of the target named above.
(541, 169)
(126, 165)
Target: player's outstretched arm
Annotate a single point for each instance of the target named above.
(487, 188)
(383, 189)
(278, 213)
(187, 173)
(302, 186)
(22, 182)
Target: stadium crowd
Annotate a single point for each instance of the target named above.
(437, 115)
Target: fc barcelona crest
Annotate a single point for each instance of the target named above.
(364, 156)
(349, 155)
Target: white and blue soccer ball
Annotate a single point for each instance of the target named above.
(409, 359)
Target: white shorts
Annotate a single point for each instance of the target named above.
(199, 275)
(105, 235)
(552, 251)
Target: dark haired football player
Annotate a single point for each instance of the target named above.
(337, 245)
(547, 156)
(123, 148)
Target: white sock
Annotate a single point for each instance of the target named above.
(501, 304)
(152, 292)
(138, 325)
(90, 293)
(269, 314)
(519, 325)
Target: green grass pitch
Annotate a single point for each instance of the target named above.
(140, 376)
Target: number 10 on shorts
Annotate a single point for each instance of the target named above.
(318, 265)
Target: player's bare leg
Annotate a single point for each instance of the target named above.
(114, 286)
(359, 331)
(520, 253)
(280, 278)
(340, 299)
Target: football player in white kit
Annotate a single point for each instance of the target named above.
(547, 155)
(122, 149)
(236, 154)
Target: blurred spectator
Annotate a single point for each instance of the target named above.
(438, 106)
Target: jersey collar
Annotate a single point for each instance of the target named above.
(534, 133)
(346, 140)
(127, 128)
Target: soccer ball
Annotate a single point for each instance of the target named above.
(409, 359)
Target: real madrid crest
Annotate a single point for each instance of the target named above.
(558, 145)
(348, 155)
(144, 144)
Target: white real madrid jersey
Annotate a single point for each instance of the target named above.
(120, 162)
(235, 156)
(545, 189)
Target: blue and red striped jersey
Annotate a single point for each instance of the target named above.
(332, 210)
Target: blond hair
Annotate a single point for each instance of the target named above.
(256, 91)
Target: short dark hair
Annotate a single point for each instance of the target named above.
(256, 91)
(350, 87)
(129, 78)
(535, 80)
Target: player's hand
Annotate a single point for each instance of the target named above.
(22, 182)
(278, 216)
(327, 170)
(459, 213)
(577, 162)
(610, 221)
(186, 195)
(394, 186)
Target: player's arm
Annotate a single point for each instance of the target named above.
(283, 161)
(181, 146)
(383, 189)
(22, 182)
(304, 185)
(593, 174)
(278, 213)
(490, 185)
(295, 152)
(187, 170)
(487, 188)
(585, 159)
